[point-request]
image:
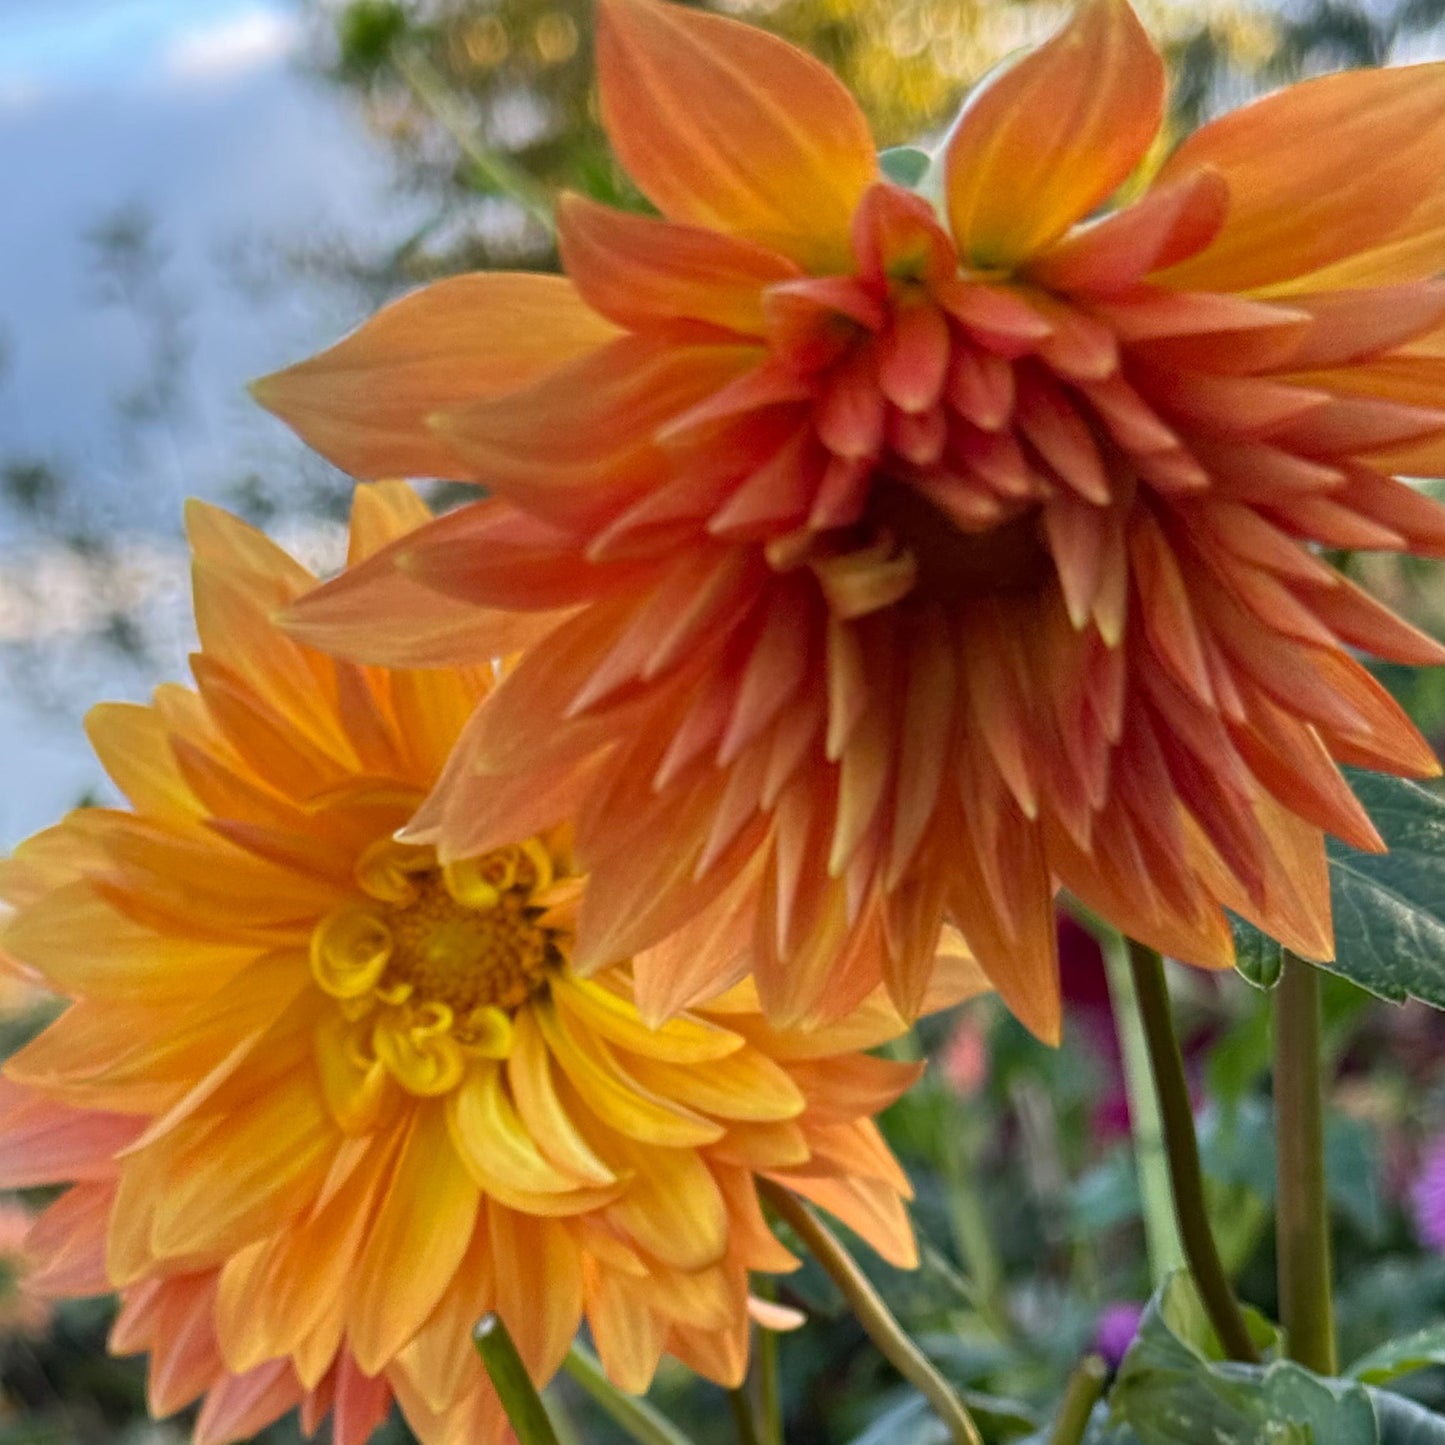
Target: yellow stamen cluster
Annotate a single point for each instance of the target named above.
(429, 965)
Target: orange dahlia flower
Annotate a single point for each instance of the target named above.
(922, 552)
(323, 1100)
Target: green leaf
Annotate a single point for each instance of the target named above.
(1258, 957)
(1399, 1357)
(904, 164)
(1403, 1422)
(1169, 1392)
(1390, 908)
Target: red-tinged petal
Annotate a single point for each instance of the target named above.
(1111, 255)
(1160, 315)
(1358, 619)
(641, 272)
(896, 237)
(1047, 139)
(724, 126)
(1350, 326)
(578, 446)
(913, 357)
(1324, 172)
(364, 404)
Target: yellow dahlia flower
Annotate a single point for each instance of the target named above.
(922, 552)
(323, 1100)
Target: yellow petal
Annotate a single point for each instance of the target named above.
(1047, 139)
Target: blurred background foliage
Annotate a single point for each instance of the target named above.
(1028, 1202)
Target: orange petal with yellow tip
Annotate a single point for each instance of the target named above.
(364, 403)
(1117, 252)
(641, 272)
(1046, 139)
(1300, 199)
(724, 126)
(672, 1208)
(411, 1253)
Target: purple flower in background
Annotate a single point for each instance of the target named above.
(1115, 1331)
(1427, 1194)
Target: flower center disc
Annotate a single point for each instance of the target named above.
(454, 954)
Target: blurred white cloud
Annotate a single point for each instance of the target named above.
(231, 46)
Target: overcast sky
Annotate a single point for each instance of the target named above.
(199, 112)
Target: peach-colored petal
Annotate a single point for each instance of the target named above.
(1048, 138)
(1300, 198)
(724, 126)
(365, 402)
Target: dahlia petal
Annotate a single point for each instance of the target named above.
(1047, 139)
(273, 1294)
(776, 668)
(1013, 939)
(641, 272)
(896, 236)
(870, 1209)
(1166, 225)
(929, 708)
(45, 1142)
(1046, 417)
(778, 494)
(133, 747)
(66, 1244)
(854, 1088)
(492, 1141)
(216, 1193)
(613, 1095)
(746, 1085)
(724, 126)
(1358, 619)
(542, 1322)
(184, 1362)
(672, 1208)
(411, 1254)
(546, 1117)
(628, 1335)
(1296, 206)
(240, 1406)
(1355, 325)
(364, 403)
(1289, 758)
(913, 357)
(84, 946)
(688, 1039)
(362, 1404)
(1163, 316)
(577, 446)
(981, 388)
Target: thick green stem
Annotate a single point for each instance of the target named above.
(765, 1356)
(1302, 1204)
(870, 1311)
(1151, 1159)
(635, 1416)
(513, 1384)
(744, 1417)
(1085, 1386)
(1186, 1176)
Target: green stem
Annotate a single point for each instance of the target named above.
(513, 1384)
(1085, 1386)
(1302, 1205)
(743, 1417)
(431, 89)
(1186, 1176)
(870, 1311)
(971, 1233)
(1151, 1159)
(639, 1419)
(770, 1403)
